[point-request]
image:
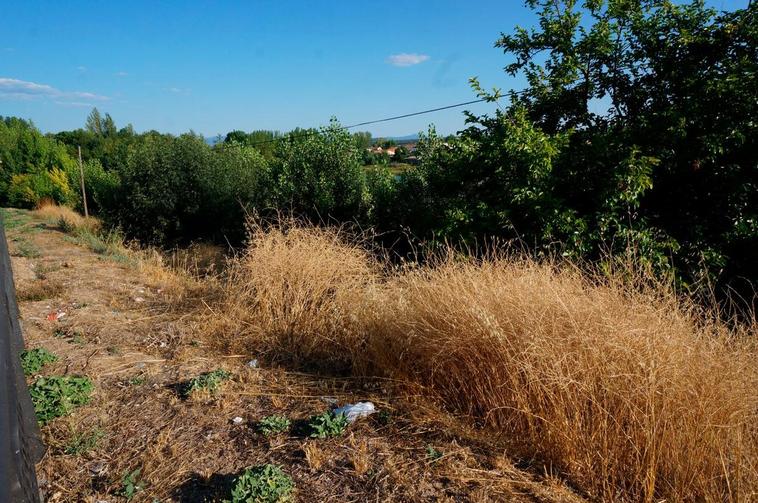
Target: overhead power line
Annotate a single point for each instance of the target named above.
(387, 119)
(414, 114)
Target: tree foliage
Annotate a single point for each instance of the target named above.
(636, 133)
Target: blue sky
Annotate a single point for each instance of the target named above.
(217, 66)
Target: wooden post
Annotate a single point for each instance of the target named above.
(84, 194)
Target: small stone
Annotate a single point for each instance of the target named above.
(97, 468)
(253, 364)
(237, 420)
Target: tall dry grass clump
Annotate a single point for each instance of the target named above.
(625, 391)
(297, 293)
(66, 218)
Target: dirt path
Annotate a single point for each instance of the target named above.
(126, 328)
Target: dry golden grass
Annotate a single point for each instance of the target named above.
(296, 292)
(360, 458)
(66, 217)
(625, 390)
(314, 455)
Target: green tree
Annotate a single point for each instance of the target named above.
(32, 166)
(319, 174)
(94, 123)
(401, 154)
(161, 188)
(362, 140)
(655, 102)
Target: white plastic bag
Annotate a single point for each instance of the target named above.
(355, 411)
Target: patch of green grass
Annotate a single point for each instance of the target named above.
(26, 249)
(263, 484)
(57, 396)
(131, 484)
(109, 244)
(13, 218)
(208, 381)
(32, 360)
(327, 425)
(271, 425)
(137, 380)
(83, 442)
(42, 270)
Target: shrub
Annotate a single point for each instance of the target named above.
(271, 425)
(102, 188)
(27, 190)
(319, 174)
(238, 180)
(32, 360)
(57, 396)
(160, 194)
(262, 484)
(328, 425)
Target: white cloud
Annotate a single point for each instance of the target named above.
(81, 68)
(16, 89)
(405, 59)
(74, 104)
(178, 90)
(120, 74)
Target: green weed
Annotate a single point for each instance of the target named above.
(131, 484)
(271, 425)
(110, 244)
(263, 484)
(12, 219)
(327, 425)
(65, 225)
(71, 336)
(32, 360)
(384, 417)
(58, 395)
(208, 381)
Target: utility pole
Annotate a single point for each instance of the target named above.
(81, 172)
